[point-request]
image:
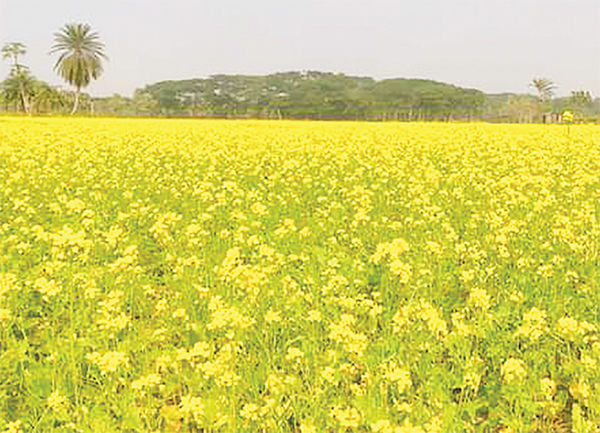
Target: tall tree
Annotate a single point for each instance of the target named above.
(581, 102)
(80, 56)
(581, 97)
(545, 88)
(13, 50)
(19, 78)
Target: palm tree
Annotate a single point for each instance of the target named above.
(544, 87)
(81, 54)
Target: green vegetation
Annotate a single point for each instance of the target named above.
(315, 95)
(319, 95)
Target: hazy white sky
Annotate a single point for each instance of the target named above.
(492, 45)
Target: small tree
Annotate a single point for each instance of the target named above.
(80, 56)
(580, 101)
(46, 98)
(20, 87)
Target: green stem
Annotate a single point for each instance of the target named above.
(37, 424)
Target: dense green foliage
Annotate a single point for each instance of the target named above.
(319, 95)
(314, 95)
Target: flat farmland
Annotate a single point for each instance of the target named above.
(280, 276)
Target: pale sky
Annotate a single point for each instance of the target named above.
(492, 45)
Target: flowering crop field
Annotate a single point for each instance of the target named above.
(255, 276)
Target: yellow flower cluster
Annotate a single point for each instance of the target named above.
(402, 270)
(223, 316)
(110, 314)
(479, 299)
(161, 230)
(126, 261)
(109, 361)
(513, 370)
(342, 332)
(253, 412)
(152, 379)
(400, 377)
(401, 320)
(534, 324)
(272, 316)
(200, 350)
(569, 328)
(408, 427)
(382, 426)
(430, 315)
(221, 368)
(294, 354)
(47, 287)
(392, 250)
(235, 271)
(57, 402)
(347, 417)
(192, 407)
(67, 240)
(7, 283)
(13, 427)
(113, 235)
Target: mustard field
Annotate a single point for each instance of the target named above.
(303, 277)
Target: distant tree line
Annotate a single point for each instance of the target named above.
(310, 95)
(288, 95)
(319, 95)
(519, 108)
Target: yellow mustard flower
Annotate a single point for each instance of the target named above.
(513, 370)
(347, 417)
(57, 402)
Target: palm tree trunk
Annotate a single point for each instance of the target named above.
(76, 101)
